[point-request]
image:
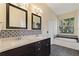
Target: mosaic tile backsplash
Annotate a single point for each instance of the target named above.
(15, 33)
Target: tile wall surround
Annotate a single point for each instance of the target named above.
(16, 33)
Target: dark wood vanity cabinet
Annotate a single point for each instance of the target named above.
(40, 48)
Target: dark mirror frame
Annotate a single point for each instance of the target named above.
(32, 21)
(8, 18)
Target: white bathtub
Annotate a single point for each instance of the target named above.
(66, 42)
(66, 39)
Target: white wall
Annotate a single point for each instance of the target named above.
(52, 27)
(2, 16)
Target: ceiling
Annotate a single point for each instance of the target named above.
(61, 8)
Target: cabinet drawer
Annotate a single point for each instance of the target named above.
(46, 42)
(38, 44)
(38, 52)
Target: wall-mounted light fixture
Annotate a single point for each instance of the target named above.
(36, 10)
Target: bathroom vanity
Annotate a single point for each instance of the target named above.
(36, 48)
(21, 43)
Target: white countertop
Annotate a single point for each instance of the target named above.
(10, 43)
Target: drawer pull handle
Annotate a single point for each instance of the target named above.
(38, 48)
(39, 42)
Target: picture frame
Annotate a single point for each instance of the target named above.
(16, 17)
(36, 22)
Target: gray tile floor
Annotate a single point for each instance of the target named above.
(63, 51)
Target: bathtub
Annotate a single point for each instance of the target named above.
(66, 42)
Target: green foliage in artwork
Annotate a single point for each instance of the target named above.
(67, 25)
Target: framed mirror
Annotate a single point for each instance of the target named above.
(36, 22)
(16, 17)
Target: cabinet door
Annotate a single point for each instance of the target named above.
(45, 47)
(28, 50)
(38, 48)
